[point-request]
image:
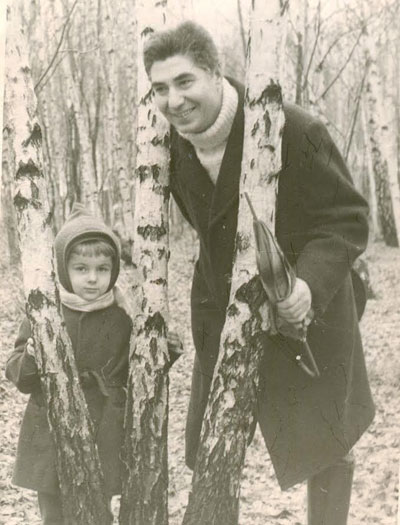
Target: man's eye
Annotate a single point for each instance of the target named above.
(160, 90)
(186, 82)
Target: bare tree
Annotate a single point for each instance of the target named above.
(231, 406)
(78, 464)
(145, 488)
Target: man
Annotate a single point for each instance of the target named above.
(309, 425)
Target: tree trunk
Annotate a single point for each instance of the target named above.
(383, 144)
(78, 465)
(145, 487)
(230, 412)
(8, 214)
(373, 202)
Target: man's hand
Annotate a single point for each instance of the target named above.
(295, 308)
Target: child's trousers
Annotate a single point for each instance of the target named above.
(329, 493)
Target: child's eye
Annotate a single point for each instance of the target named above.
(80, 268)
(105, 269)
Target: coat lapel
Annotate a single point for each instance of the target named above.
(227, 188)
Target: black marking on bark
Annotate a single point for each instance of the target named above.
(256, 127)
(246, 96)
(154, 120)
(267, 123)
(250, 292)
(37, 300)
(142, 172)
(155, 171)
(35, 138)
(57, 294)
(49, 330)
(284, 6)
(48, 220)
(242, 242)
(160, 281)
(147, 31)
(162, 252)
(148, 368)
(153, 349)
(157, 141)
(252, 163)
(232, 311)
(155, 323)
(166, 193)
(6, 132)
(26, 70)
(145, 100)
(35, 192)
(271, 94)
(155, 233)
(28, 169)
(20, 202)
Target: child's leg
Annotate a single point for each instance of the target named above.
(50, 508)
(329, 493)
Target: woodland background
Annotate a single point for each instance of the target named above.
(343, 64)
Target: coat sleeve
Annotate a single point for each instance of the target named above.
(21, 367)
(336, 217)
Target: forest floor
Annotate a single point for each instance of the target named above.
(374, 499)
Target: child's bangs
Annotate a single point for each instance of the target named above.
(94, 248)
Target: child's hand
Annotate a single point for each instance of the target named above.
(30, 348)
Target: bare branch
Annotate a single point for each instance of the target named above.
(355, 115)
(63, 33)
(343, 67)
(318, 32)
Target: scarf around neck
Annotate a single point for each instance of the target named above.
(74, 302)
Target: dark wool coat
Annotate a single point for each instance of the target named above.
(100, 341)
(321, 225)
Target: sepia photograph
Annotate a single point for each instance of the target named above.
(199, 264)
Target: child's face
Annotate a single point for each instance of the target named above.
(90, 275)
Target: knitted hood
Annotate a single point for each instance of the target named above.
(82, 226)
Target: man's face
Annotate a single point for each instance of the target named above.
(188, 96)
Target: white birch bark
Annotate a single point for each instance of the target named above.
(145, 487)
(78, 464)
(383, 146)
(372, 200)
(231, 406)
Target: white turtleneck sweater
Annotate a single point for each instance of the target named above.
(210, 144)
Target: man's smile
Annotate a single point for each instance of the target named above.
(182, 114)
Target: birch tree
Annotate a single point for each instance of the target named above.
(231, 405)
(78, 464)
(145, 488)
(382, 140)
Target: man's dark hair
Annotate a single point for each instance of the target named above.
(187, 39)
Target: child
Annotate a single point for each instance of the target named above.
(88, 259)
